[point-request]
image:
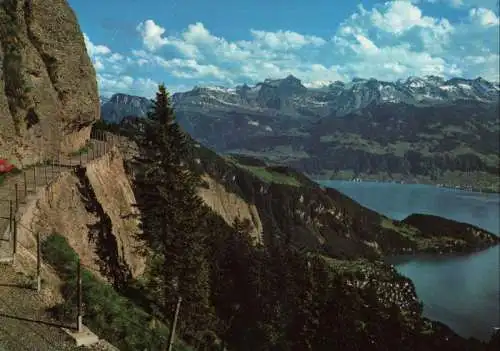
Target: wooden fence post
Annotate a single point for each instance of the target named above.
(17, 198)
(25, 184)
(79, 324)
(38, 263)
(14, 246)
(11, 217)
(34, 179)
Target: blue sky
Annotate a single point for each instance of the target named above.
(136, 44)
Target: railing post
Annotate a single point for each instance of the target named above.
(38, 263)
(25, 184)
(11, 218)
(79, 324)
(17, 197)
(14, 245)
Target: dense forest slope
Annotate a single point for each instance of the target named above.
(315, 242)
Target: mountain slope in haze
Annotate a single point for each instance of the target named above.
(421, 129)
(118, 106)
(455, 144)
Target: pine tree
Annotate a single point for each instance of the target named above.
(172, 216)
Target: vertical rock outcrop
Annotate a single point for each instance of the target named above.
(48, 90)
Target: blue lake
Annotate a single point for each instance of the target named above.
(460, 291)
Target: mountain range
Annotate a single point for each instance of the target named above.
(424, 129)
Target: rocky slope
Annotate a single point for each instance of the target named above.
(95, 215)
(421, 129)
(46, 105)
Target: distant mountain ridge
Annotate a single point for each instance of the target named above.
(423, 129)
(290, 97)
(118, 106)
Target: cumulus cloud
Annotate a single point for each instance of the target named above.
(110, 84)
(396, 39)
(484, 17)
(151, 35)
(400, 16)
(102, 57)
(389, 41)
(94, 50)
(284, 40)
(268, 54)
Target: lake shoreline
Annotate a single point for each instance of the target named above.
(410, 181)
(458, 289)
(403, 258)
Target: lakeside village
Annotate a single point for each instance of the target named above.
(466, 187)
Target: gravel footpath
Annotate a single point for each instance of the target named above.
(24, 325)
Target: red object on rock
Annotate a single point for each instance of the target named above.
(5, 166)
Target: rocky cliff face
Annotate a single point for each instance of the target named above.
(48, 90)
(97, 217)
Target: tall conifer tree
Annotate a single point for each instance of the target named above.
(173, 217)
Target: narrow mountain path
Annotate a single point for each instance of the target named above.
(24, 322)
(30, 180)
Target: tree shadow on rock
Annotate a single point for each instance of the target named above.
(111, 262)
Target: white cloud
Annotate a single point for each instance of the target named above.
(395, 39)
(102, 57)
(400, 16)
(239, 61)
(392, 40)
(115, 57)
(151, 35)
(98, 65)
(365, 45)
(484, 17)
(93, 49)
(197, 33)
(110, 84)
(285, 40)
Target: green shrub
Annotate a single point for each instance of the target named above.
(82, 151)
(106, 312)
